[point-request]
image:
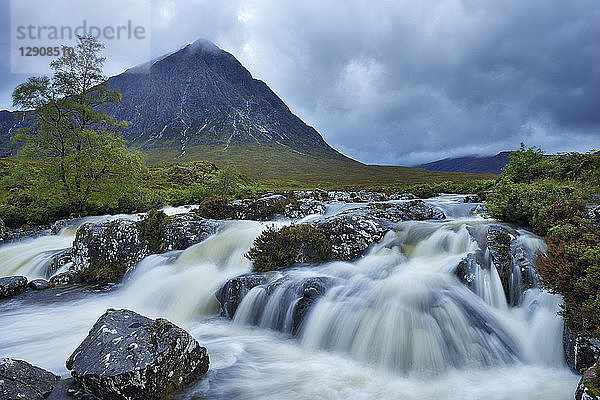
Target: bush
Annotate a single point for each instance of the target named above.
(571, 268)
(275, 249)
(557, 212)
(215, 207)
(530, 205)
(423, 191)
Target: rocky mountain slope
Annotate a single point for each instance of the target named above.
(202, 96)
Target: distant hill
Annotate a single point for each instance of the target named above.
(472, 164)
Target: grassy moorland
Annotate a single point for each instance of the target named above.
(28, 196)
(280, 168)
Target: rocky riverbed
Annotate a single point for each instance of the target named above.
(421, 299)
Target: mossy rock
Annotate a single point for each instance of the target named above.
(109, 272)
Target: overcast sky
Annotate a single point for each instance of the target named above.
(401, 82)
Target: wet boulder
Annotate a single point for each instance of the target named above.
(351, 234)
(12, 286)
(303, 207)
(21, 380)
(589, 384)
(262, 209)
(231, 294)
(283, 303)
(185, 230)
(103, 252)
(129, 356)
(312, 289)
(39, 284)
(582, 350)
(415, 210)
(466, 271)
(499, 240)
(403, 196)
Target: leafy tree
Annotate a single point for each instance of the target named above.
(68, 130)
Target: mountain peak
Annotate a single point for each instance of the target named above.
(202, 45)
(202, 97)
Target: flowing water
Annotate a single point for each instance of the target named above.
(395, 324)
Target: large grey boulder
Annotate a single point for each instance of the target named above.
(262, 209)
(103, 252)
(12, 286)
(350, 235)
(415, 210)
(582, 350)
(129, 356)
(353, 231)
(185, 230)
(21, 380)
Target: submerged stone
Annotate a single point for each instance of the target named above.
(39, 284)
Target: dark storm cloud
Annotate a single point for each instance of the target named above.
(401, 82)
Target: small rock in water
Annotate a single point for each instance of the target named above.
(21, 380)
(472, 198)
(129, 356)
(12, 286)
(64, 278)
(39, 284)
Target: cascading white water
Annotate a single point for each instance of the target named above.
(396, 323)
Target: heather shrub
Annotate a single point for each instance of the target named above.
(215, 207)
(275, 249)
(571, 268)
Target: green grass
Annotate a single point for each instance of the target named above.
(278, 167)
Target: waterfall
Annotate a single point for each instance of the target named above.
(395, 323)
